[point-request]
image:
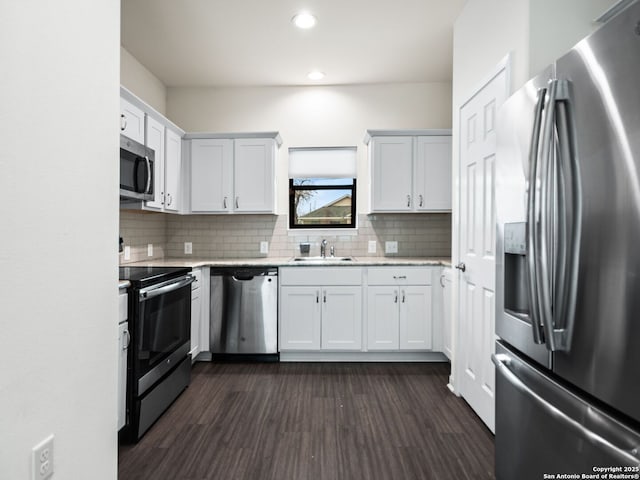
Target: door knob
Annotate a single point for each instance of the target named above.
(461, 266)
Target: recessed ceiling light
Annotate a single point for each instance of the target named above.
(304, 20)
(315, 75)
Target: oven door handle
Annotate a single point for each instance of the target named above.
(165, 287)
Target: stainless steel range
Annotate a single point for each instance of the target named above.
(159, 365)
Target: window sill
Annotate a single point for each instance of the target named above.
(326, 232)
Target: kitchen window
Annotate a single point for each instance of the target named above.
(322, 188)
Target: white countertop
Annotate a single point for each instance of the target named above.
(287, 262)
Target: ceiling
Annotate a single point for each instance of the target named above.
(253, 42)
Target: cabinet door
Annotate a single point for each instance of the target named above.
(211, 175)
(131, 121)
(254, 179)
(447, 288)
(342, 318)
(155, 140)
(173, 163)
(196, 313)
(382, 318)
(300, 318)
(123, 344)
(433, 173)
(392, 174)
(415, 318)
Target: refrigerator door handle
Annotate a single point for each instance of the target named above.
(571, 217)
(502, 361)
(545, 212)
(531, 219)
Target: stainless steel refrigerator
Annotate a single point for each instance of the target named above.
(568, 264)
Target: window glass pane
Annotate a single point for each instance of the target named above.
(331, 206)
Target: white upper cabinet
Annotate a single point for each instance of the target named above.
(173, 170)
(433, 174)
(254, 175)
(233, 175)
(131, 121)
(155, 141)
(410, 173)
(391, 186)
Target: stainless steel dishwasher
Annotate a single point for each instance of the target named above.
(244, 312)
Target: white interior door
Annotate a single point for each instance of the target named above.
(476, 237)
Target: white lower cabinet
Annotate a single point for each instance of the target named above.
(446, 282)
(123, 348)
(399, 309)
(341, 318)
(320, 309)
(196, 314)
(300, 318)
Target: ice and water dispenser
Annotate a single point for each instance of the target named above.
(516, 278)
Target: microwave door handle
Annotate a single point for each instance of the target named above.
(148, 187)
(531, 218)
(136, 165)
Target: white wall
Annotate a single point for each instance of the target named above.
(313, 116)
(59, 221)
(142, 82)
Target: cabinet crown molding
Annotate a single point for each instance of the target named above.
(405, 133)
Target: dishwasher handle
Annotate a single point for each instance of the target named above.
(243, 277)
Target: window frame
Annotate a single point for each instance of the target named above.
(321, 226)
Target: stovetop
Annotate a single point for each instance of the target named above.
(145, 276)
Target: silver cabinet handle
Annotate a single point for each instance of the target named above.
(324, 297)
(420, 200)
(622, 456)
(224, 203)
(161, 198)
(170, 199)
(237, 202)
(395, 299)
(123, 122)
(127, 342)
(402, 296)
(462, 267)
(400, 277)
(408, 200)
(317, 297)
(442, 280)
(532, 228)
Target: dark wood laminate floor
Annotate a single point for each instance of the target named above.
(316, 421)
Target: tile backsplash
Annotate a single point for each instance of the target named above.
(239, 236)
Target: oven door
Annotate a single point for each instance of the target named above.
(136, 170)
(162, 331)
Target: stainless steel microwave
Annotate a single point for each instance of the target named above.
(136, 170)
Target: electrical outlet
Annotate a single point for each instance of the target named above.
(150, 250)
(42, 455)
(188, 248)
(372, 246)
(264, 247)
(391, 247)
(127, 252)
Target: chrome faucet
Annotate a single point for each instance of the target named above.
(323, 248)
(332, 251)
